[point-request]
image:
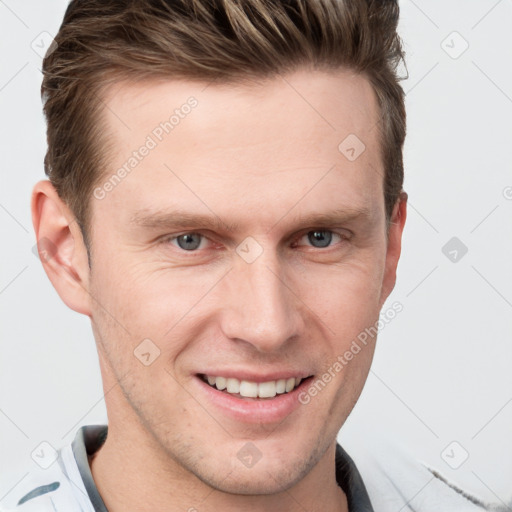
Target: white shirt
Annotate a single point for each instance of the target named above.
(67, 485)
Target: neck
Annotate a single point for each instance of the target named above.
(132, 474)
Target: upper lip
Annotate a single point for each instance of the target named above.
(256, 377)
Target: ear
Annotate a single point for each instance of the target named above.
(396, 227)
(61, 247)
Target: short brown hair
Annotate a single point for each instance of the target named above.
(104, 41)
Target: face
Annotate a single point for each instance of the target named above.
(244, 247)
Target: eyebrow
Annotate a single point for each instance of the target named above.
(181, 219)
(332, 217)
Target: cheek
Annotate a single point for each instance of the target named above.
(344, 296)
(136, 299)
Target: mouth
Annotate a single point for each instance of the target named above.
(246, 389)
(255, 400)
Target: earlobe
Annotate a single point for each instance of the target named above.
(394, 248)
(61, 247)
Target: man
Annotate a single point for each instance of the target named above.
(225, 203)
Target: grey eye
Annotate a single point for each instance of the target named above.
(320, 238)
(189, 241)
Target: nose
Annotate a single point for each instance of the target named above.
(262, 309)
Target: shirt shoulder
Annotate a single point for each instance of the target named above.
(44, 490)
(396, 481)
(41, 498)
(57, 488)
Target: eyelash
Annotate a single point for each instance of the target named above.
(171, 238)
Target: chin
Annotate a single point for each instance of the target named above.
(264, 480)
(271, 472)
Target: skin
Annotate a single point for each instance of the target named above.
(263, 157)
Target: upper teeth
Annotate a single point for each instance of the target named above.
(250, 389)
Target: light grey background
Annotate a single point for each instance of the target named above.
(442, 369)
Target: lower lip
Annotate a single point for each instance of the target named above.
(253, 410)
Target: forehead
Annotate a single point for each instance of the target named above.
(306, 133)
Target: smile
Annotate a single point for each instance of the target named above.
(250, 389)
